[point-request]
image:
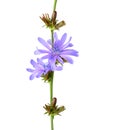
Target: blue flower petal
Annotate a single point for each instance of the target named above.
(30, 70)
(55, 36)
(68, 59)
(70, 52)
(60, 59)
(33, 63)
(59, 68)
(31, 77)
(40, 51)
(44, 43)
(39, 74)
(64, 38)
(68, 44)
(49, 41)
(45, 57)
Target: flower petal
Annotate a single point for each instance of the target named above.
(29, 70)
(31, 77)
(52, 62)
(39, 74)
(45, 57)
(68, 59)
(44, 43)
(55, 36)
(60, 59)
(39, 51)
(59, 68)
(33, 63)
(70, 52)
(39, 61)
(49, 41)
(68, 44)
(64, 37)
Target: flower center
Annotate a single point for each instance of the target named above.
(56, 49)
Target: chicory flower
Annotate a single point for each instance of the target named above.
(57, 52)
(40, 69)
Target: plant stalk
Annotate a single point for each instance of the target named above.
(52, 76)
(54, 7)
(51, 87)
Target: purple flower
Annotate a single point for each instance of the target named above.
(58, 52)
(40, 68)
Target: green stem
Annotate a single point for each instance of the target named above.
(52, 38)
(52, 123)
(52, 76)
(51, 87)
(54, 7)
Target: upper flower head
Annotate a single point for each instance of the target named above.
(40, 69)
(59, 51)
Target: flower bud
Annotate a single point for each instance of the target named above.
(54, 101)
(54, 15)
(60, 24)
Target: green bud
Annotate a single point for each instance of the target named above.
(53, 109)
(52, 23)
(60, 24)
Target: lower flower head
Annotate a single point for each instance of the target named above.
(41, 69)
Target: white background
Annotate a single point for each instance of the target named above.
(85, 88)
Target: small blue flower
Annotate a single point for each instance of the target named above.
(58, 52)
(40, 68)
